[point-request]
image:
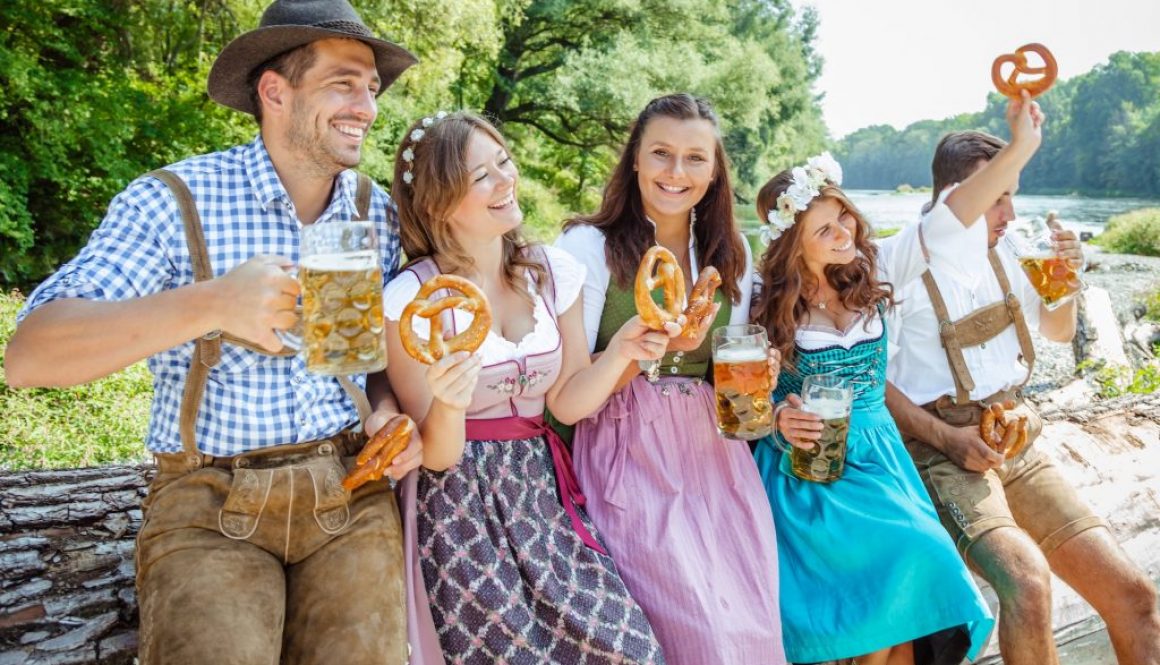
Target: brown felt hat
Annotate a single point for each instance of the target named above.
(286, 25)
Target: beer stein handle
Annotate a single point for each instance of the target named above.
(775, 436)
(292, 338)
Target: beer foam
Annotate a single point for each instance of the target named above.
(362, 260)
(828, 408)
(735, 354)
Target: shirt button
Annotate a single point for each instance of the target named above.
(983, 345)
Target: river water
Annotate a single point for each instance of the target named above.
(1078, 213)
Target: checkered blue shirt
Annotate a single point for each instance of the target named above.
(251, 400)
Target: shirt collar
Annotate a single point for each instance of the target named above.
(268, 187)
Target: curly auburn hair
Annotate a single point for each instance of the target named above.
(781, 305)
(439, 180)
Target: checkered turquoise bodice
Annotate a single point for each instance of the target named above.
(863, 365)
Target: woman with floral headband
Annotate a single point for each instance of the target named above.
(683, 508)
(512, 569)
(867, 571)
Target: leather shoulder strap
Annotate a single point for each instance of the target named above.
(1015, 309)
(207, 349)
(964, 384)
(362, 197)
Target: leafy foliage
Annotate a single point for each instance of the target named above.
(1136, 232)
(100, 91)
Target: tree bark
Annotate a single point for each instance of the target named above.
(66, 565)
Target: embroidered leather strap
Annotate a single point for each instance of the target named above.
(207, 348)
(978, 327)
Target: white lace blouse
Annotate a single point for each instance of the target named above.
(569, 276)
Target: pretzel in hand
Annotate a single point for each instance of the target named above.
(436, 347)
(377, 455)
(1011, 86)
(668, 274)
(1003, 435)
(701, 301)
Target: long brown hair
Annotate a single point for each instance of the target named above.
(781, 306)
(438, 181)
(621, 214)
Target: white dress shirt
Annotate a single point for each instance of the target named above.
(918, 363)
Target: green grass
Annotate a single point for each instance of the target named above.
(1136, 232)
(102, 422)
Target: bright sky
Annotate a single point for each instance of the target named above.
(898, 61)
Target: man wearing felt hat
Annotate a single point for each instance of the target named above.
(251, 551)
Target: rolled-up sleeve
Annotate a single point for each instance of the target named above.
(124, 258)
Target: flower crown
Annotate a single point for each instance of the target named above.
(807, 184)
(415, 136)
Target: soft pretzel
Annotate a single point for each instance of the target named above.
(668, 275)
(377, 455)
(1011, 86)
(436, 347)
(1000, 433)
(701, 301)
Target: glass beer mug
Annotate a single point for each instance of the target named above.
(742, 382)
(341, 274)
(1054, 278)
(830, 397)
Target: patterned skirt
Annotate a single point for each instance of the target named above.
(508, 578)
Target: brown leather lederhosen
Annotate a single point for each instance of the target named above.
(207, 349)
(974, 329)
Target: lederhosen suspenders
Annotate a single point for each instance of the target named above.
(978, 327)
(208, 348)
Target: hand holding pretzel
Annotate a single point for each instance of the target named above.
(1001, 434)
(377, 455)
(436, 347)
(667, 275)
(1011, 86)
(701, 301)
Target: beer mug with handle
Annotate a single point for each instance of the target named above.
(742, 382)
(341, 274)
(1054, 278)
(831, 398)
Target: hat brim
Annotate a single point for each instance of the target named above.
(228, 78)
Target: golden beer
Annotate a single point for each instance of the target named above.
(342, 313)
(1054, 279)
(742, 385)
(824, 462)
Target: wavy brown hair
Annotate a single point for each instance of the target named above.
(781, 305)
(621, 214)
(440, 179)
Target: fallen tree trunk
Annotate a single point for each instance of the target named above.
(66, 537)
(66, 565)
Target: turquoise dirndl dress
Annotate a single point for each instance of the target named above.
(864, 562)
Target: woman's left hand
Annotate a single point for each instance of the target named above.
(686, 344)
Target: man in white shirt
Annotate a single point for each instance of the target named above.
(960, 342)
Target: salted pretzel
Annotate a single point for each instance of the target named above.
(377, 455)
(1011, 86)
(701, 301)
(436, 347)
(668, 274)
(1000, 433)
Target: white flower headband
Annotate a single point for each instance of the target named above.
(807, 184)
(417, 134)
